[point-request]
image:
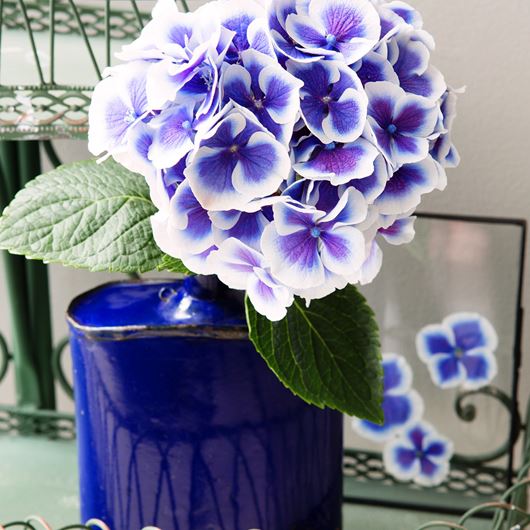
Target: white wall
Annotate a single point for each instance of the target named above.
(483, 44)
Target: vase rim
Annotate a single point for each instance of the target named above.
(135, 331)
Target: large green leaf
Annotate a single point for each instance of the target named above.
(328, 354)
(85, 215)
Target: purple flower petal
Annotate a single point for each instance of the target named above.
(404, 190)
(343, 250)
(471, 331)
(415, 115)
(234, 262)
(118, 103)
(291, 218)
(247, 228)
(434, 339)
(346, 117)
(375, 68)
(263, 164)
(267, 296)
(481, 368)
(400, 232)
(447, 371)
(294, 258)
(173, 136)
(397, 374)
(282, 94)
(340, 163)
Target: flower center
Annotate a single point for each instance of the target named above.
(234, 148)
(315, 232)
(459, 353)
(326, 99)
(258, 103)
(130, 116)
(391, 129)
(331, 40)
(419, 453)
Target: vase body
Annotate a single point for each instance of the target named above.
(181, 424)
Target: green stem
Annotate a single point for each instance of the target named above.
(38, 289)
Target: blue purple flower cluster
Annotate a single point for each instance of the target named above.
(280, 138)
(413, 449)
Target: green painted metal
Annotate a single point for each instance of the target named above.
(26, 376)
(38, 290)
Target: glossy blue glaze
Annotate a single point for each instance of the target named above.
(182, 425)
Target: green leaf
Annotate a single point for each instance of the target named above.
(85, 215)
(328, 354)
(173, 265)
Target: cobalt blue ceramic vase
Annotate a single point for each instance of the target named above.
(181, 424)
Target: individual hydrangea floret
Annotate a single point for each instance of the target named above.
(333, 103)
(237, 162)
(460, 351)
(299, 133)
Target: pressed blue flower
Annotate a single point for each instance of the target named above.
(119, 103)
(242, 267)
(238, 162)
(420, 455)
(405, 188)
(303, 243)
(334, 28)
(402, 406)
(460, 351)
(261, 85)
(402, 123)
(339, 163)
(333, 101)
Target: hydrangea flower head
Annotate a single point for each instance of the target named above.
(460, 351)
(282, 140)
(419, 454)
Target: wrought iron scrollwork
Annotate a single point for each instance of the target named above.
(510, 511)
(58, 370)
(467, 412)
(5, 357)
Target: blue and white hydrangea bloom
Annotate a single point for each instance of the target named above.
(459, 352)
(419, 454)
(402, 405)
(282, 140)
